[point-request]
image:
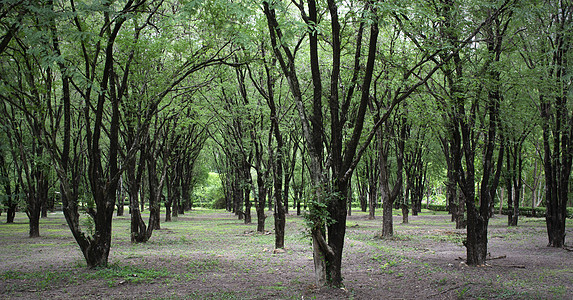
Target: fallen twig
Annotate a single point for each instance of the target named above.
(517, 266)
(510, 266)
(444, 291)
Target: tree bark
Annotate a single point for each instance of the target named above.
(120, 200)
(389, 196)
(262, 190)
(373, 170)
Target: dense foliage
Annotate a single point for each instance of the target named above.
(313, 105)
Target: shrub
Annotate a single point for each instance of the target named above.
(210, 192)
(219, 203)
(523, 211)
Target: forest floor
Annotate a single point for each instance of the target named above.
(209, 254)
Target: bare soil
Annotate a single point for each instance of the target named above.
(208, 254)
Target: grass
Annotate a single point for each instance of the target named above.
(200, 296)
(200, 266)
(44, 279)
(39, 280)
(120, 274)
(206, 246)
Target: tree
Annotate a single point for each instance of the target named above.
(371, 171)
(329, 204)
(158, 117)
(515, 133)
(283, 156)
(415, 157)
(235, 137)
(103, 170)
(26, 97)
(557, 124)
(344, 142)
(465, 117)
(389, 195)
(9, 198)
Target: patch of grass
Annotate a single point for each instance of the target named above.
(461, 293)
(212, 296)
(388, 263)
(442, 281)
(195, 269)
(558, 291)
(14, 275)
(41, 279)
(450, 237)
(41, 245)
(276, 287)
(11, 228)
(499, 293)
(116, 273)
(200, 266)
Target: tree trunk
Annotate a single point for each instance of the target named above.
(362, 192)
(510, 191)
(277, 165)
(451, 196)
(372, 203)
(120, 205)
(155, 186)
(336, 234)
(279, 222)
(167, 211)
(247, 192)
(44, 210)
(405, 211)
(515, 210)
(261, 195)
(387, 205)
(270, 197)
(175, 207)
(185, 196)
(286, 194)
(138, 227)
(120, 200)
(10, 213)
(373, 184)
(142, 195)
(476, 242)
(10, 204)
(97, 251)
(260, 202)
(389, 196)
(34, 212)
(37, 195)
(460, 212)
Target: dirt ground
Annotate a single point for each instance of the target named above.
(207, 254)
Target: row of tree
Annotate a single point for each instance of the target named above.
(315, 100)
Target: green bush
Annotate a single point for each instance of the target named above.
(523, 211)
(210, 192)
(438, 207)
(219, 203)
